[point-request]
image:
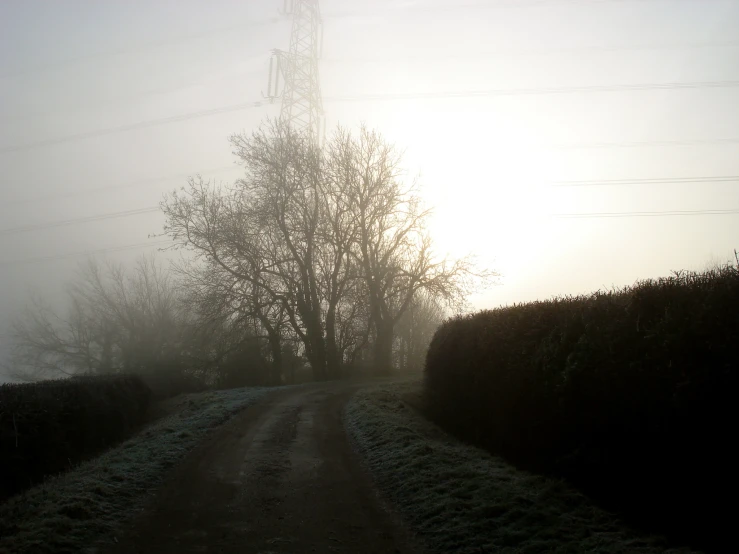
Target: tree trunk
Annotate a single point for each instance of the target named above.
(275, 346)
(106, 360)
(333, 361)
(403, 354)
(316, 352)
(383, 348)
(318, 361)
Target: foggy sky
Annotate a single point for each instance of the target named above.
(487, 163)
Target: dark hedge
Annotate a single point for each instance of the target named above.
(630, 394)
(49, 426)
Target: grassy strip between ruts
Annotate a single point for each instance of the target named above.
(85, 507)
(458, 498)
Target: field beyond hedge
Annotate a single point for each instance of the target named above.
(630, 394)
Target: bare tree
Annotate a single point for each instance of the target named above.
(45, 345)
(116, 321)
(330, 240)
(285, 229)
(415, 329)
(237, 271)
(282, 189)
(392, 245)
(138, 311)
(237, 310)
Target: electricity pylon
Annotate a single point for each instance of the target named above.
(302, 106)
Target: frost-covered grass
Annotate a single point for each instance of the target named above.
(77, 510)
(458, 498)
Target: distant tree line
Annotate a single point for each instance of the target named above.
(317, 255)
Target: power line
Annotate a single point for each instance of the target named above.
(584, 183)
(475, 55)
(633, 144)
(85, 253)
(654, 181)
(130, 127)
(150, 209)
(142, 48)
(98, 190)
(436, 58)
(534, 91)
(115, 102)
(66, 222)
(196, 36)
(379, 97)
(517, 4)
(586, 215)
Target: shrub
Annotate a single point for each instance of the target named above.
(628, 393)
(49, 426)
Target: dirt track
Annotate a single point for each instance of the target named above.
(280, 477)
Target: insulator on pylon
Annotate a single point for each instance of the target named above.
(320, 48)
(269, 81)
(277, 75)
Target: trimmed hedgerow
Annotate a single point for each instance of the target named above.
(458, 498)
(629, 393)
(84, 510)
(47, 427)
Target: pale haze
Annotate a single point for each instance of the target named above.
(104, 107)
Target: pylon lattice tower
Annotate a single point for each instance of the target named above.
(302, 105)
